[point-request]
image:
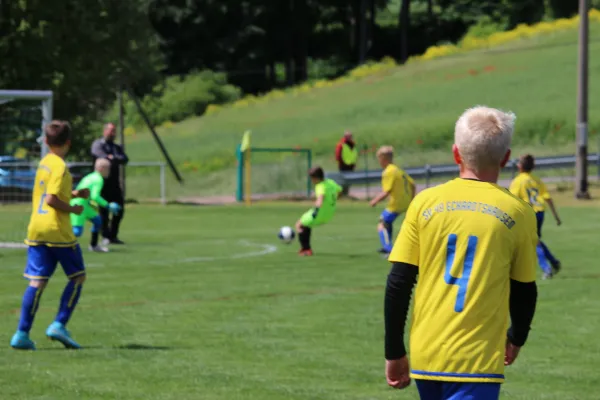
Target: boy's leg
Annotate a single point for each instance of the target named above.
(96, 228)
(542, 250)
(40, 266)
(78, 221)
(542, 261)
(471, 391)
(429, 390)
(304, 227)
(72, 262)
(385, 230)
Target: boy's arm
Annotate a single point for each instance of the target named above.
(55, 184)
(381, 196)
(95, 190)
(53, 201)
(319, 201)
(554, 212)
(386, 185)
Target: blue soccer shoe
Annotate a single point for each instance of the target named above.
(21, 341)
(57, 331)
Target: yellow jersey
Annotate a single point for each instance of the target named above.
(398, 184)
(48, 226)
(469, 239)
(531, 189)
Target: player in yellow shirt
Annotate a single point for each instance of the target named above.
(472, 243)
(531, 189)
(399, 188)
(51, 240)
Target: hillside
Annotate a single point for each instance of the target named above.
(411, 107)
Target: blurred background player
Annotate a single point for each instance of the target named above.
(108, 149)
(327, 192)
(531, 189)
(94, 183)
(51, 240)
(346, 156)
(399, 187)
(472, 244)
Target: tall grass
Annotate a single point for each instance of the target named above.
(412, 108)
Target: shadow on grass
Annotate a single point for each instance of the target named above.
(129, 346)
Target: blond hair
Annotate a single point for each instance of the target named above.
(101, 163)
(386, 151)
(483, 136)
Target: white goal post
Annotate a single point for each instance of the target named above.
(44, 96)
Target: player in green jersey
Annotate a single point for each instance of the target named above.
(327, 192)
(94, 183)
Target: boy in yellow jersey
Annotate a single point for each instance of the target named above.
(399, 188)
(51, 240)
(531, 189)
(472, 243)
(327, 192)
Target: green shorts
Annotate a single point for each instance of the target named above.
(309, 221)
(88, 213)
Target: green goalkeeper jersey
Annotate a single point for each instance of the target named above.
(329, 189)
(94, 183)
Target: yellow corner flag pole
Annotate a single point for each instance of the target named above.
(245, 148)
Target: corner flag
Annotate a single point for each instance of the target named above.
(245, 141)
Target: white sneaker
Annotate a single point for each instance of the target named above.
(99, 249)
(105, 242)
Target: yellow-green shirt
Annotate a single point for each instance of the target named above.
(468, 239)
(531, 189)
(48, 226)
(398, 184)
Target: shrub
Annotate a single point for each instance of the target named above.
(179, 98)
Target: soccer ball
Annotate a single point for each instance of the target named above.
(286, 234)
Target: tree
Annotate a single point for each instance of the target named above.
(80, 50)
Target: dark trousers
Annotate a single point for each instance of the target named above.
(346, 187)
(110, 226)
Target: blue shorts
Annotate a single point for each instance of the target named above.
(540, 221)
(388, 217)
(42, 261)
(438, 390)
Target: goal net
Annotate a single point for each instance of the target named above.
(23, 115)
(275, 173)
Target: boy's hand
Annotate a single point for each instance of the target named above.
(511, 353)
(373, 203)
(77, 210)
(114, 208)
(397, 373)
(82, 193)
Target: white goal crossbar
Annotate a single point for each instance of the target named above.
(45, 96)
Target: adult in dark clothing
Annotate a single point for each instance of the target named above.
(346, 155)
(112, 191)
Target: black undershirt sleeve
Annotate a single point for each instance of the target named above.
(400, 282)
(523, 298)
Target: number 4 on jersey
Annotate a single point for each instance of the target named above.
(462, 281)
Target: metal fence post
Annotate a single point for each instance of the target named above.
(308, 181)
(427, 174)
(163, 184)
(366, 158)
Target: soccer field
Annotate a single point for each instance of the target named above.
(205, 303)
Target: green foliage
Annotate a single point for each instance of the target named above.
(179, 98)
(80, 50)
(413, 108)
(485, 27)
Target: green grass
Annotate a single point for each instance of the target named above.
(412, 107)
(197, 306)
